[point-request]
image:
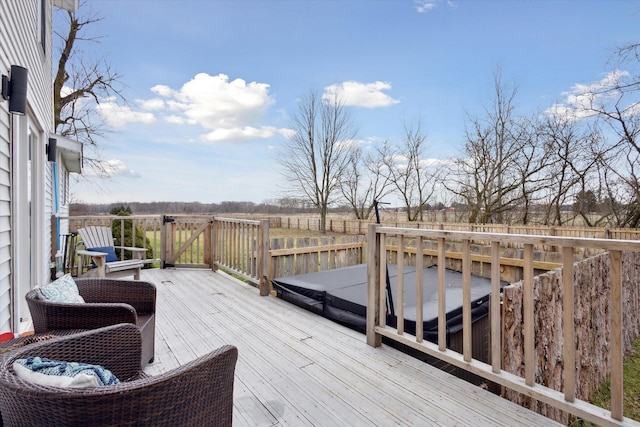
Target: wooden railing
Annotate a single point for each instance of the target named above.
(379, 238)
(242, 246)
(150, 225)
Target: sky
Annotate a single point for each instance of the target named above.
(212, 86)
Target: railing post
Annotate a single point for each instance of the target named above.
(400, 283)
(419, 290)
(442, 305)
(467, 346)
(263, 258)
(163, 241)
(214, 244)
(494, 306)
(373, 286)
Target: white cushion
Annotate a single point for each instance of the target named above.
(54, 373)
(63, 289)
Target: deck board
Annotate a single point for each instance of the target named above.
(299, 369)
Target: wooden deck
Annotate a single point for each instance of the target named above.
(299, 369)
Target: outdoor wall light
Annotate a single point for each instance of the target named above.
(51, 149)
(15, 90)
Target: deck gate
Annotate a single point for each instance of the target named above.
(186, 242)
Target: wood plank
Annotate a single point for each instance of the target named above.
(495, 318)
(316, 249)
(513, 262)
(617, 350)
(296, 368)
(528, 317)
(581, 242)
(419, 291)
(569, 351)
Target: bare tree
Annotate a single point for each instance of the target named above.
(530, 171)
(317, 156)
(365, 180)
(629, 55)
(488, 179)
(616, 106)
(574, 153)
(414, 179)
(81, 82)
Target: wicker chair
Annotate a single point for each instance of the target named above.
(108, 302)
(199, 393)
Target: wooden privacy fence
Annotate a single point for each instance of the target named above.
(565, 397)
(290, 257)
(354, 226)
(592, 292)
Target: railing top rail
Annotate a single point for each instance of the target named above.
(192, 215)
(582, 242)
(238, 220)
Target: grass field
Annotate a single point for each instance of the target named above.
(631, 386)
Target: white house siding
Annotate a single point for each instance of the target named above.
(49, 212)
(63, 202)
(20, 38)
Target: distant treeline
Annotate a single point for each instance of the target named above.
(150, 208)
(278, 206)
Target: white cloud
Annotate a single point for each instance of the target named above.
(113, 168)
(368, 95)
(231, 110)
(247, 133)
(66, 90)
(151, 104)
(175, 119)
(214, 102)
(436, 163)
(176, 106)
(120, 115)
(633, 109)
(162, 90)
(424, 6)
(401, 161)
(287, 133)
(582, 98)
(81, 103)
(228, 110)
